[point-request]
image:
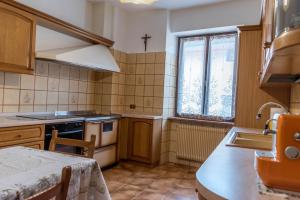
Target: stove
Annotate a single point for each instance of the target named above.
(49, 116)
(46, 116)
(88, 115)
(97, 117)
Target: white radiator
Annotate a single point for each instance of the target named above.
(196, 142)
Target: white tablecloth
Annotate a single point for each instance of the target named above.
(26, 171)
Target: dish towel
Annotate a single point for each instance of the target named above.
(267, 193)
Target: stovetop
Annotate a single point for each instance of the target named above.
(46, 116)
(95, 117)
(92, 116)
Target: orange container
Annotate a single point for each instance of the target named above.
(280, 171)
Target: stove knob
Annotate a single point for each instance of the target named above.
(292, 152)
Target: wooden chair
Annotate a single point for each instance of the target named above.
(59, 191)
(88, 147)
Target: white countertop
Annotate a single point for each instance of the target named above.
(10, 121)
(229, 172)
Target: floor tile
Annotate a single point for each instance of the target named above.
(134, 181)
(126, 192)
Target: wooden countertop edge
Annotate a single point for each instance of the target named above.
(245, 155)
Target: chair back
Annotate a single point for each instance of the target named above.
(87, 146)
(59, 191)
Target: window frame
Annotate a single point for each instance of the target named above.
(206, 77)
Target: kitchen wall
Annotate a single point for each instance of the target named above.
(152, 22)
(53, 87)
(145, 83)
(203, 17)
(78, 12)
(140, 83)
(110, 87)
(148, 81)
(129, 26)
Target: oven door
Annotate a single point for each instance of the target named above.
(109, 133)
(74, 134)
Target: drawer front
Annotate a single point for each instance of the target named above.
(106, 156)
(35, 145)
(109, 133)
(22, 134)
(93, 128)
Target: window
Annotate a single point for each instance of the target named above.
(207, 76)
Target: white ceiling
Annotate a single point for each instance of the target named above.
(163, 4)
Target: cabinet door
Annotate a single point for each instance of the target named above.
(140, 140)
(268, 28)
(268, 21)
(17, 40)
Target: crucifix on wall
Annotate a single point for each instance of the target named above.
(146, 38)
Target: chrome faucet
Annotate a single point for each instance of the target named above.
(260, 110)
(267, 129)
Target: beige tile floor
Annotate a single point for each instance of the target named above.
(132, 181)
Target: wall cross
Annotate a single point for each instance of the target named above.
(146, 38)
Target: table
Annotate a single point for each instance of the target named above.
(25, 171)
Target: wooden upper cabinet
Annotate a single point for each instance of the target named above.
(280, 53)
(267, 29)
(17, 40)
(268, 22)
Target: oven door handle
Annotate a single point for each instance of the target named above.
(94, 122)
(69, 132)
(66, 133)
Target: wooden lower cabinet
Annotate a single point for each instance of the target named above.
(34, 145)
(28, 136)
(144, 136)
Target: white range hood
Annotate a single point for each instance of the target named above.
(97, 57)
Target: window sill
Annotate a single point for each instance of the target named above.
(203, 122)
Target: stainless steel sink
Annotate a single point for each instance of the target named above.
(250, 141)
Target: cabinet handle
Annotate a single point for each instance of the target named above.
(267, 45)
(95, 122)
(259, 75)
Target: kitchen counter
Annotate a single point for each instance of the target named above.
(10, 121)
(229, 172)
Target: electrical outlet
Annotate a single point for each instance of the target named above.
(132, 106)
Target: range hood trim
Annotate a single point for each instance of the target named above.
(97, 57)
